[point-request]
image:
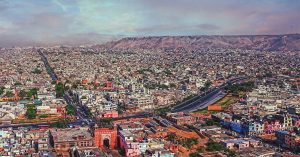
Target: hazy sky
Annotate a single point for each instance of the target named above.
(32, 22)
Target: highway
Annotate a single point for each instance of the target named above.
(203, 100)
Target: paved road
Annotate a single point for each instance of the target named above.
(47, 65)
(25, 125)
(206, 99)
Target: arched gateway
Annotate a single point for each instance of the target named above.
(105, 138)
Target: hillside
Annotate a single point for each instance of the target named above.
(289, 42)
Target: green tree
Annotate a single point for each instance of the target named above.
(230, 153)
(37, 71)
(200, 150)
(71, 110)
(32, 92)
(59, 89)
(189, 142)
(74, 86)
(168, 72)
(9, 94)
(171, 137)
(22, 94)
(210, 122)
(43, 116)
(18, 84)
(2, 90)
(193, 154)
(214, 146)
(31, 111)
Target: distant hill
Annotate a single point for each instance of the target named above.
(290, 42)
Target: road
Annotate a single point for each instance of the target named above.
(81, 111)
(82, 114)
(209, 97)
(47, 65)
(25, 125)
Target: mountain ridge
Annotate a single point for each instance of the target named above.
(285, 42)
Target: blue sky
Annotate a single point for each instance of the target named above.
(34, 22)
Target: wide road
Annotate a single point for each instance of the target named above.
(209, 97)
(47, 65)
(25, 125)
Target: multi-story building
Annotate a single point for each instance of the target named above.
(143, 102)
(181, 118)
(66, 139)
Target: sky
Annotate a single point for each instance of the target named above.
(50, 22)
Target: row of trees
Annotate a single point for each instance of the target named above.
(242, 87)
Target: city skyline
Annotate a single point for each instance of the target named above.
(53, 22)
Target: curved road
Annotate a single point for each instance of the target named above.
(206, 99)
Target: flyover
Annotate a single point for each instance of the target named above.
(209, 97)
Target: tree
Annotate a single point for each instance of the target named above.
(243, 87)
(74, 86)
(168, 72)
(71, 110)
(9, 94)
(189, 142)
(37, 71)
(22, 94)
(2, 90)
(210, 122)
(200, 150)
(206, 86)
(214, 146)
(230, 153)
(172, 85)
(31, 111)
(32, 92)
(193, 154)
(18, 83)
(43, 116)
(59, 89)
(171, 137)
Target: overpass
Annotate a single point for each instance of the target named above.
(209, 97)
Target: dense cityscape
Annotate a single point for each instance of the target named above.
(149, 78)
(84, 101)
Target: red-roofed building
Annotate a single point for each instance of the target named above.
(84, 82)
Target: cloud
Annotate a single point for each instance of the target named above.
(208, 26)
(81, 21)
